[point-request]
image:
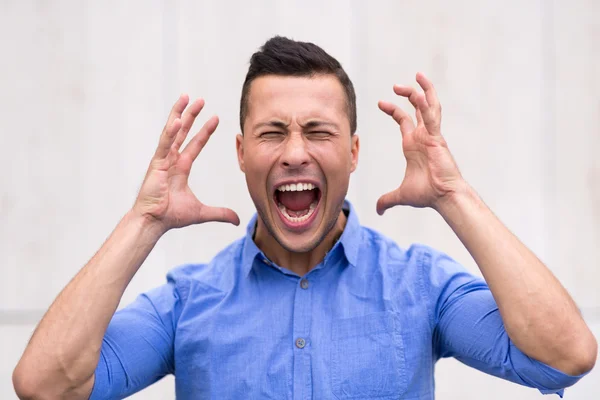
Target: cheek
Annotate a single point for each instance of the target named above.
(336, 163)
(257, 163)
(258, 158)
(333, 158)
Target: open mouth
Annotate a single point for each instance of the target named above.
(297, 203)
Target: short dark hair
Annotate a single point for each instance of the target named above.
(285, 57)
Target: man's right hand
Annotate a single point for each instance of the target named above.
(165, 197)
(63, 353)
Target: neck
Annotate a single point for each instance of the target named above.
(299, 263)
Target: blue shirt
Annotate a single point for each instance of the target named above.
(368, 322)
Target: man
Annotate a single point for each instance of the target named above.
(309, 304)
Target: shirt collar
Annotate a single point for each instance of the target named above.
(349, 240)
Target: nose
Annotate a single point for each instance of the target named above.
(295, 154)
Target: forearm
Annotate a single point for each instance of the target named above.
(538, 314)
(65, 348)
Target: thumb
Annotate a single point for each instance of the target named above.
(218, 214)
(386, 201)
(396, 197)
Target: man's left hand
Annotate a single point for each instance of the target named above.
(432, 175)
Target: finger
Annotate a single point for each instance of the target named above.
(426, 114)
(195, 146)
(419, 117)
(219, 214)
(433, 117)
(416, 99)
(167, 138)
(429, 89)
(177, 109)
(400, 116)
(386, 201)
(187, 121)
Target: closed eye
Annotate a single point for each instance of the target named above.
(319, 134)
(271, 135)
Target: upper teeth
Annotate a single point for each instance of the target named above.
(296, 187)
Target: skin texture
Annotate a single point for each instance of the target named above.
(297, 128)
(539, 315)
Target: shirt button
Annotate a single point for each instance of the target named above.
(300, 343)
(304, 284)
(266, 261)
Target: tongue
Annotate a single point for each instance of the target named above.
(297, 201)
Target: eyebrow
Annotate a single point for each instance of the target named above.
(318, 123)
(307, 125)
(274, 124)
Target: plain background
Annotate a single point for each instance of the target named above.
(86, 87)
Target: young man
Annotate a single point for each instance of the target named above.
(309, 304)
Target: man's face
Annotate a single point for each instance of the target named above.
(297, 153)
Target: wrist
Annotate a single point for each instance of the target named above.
(147, 226)
(462, 198)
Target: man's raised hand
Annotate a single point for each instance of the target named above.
(431, 174)
(165, 197)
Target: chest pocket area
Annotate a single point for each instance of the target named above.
(367, 357)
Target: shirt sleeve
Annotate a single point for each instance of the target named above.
(468, 326)
(137, 349)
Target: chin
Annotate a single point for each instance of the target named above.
(305, 241)
(298, 245)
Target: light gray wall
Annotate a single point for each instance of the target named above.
(86, 87)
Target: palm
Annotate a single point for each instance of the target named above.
(165, 195)
(431, 172)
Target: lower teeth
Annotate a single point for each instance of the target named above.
(303, 218)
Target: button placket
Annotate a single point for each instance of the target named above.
(302, 376)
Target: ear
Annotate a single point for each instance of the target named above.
(354, 147)
(239, 147)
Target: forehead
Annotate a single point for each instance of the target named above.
(291, 97)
